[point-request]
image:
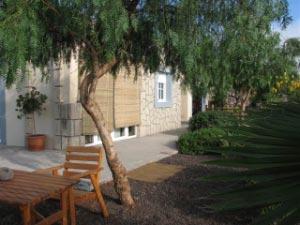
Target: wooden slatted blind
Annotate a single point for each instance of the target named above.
(119, 99)
(126, 100)
(104, 97)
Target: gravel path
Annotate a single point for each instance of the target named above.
(180, 200)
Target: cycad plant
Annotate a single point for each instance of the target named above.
(269, 152)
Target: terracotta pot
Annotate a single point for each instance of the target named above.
(36, 142)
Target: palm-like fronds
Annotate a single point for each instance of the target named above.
(269, 150)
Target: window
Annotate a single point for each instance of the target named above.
(119, 132)
(162, 88)
(89, 139)
(117, 135)
(163, 93)
(131, 131)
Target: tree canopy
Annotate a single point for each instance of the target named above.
(207, 43)
(146, 33)
(241, 53)
(292, 46)
(106, 35)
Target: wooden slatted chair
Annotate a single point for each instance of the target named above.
(83, 162)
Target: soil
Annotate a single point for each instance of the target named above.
(182, 199)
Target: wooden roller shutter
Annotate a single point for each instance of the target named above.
(104, 97)
(126, 100)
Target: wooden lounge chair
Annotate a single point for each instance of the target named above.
(82, 162)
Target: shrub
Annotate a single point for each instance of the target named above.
(30, 103)
(196, 142)
(212, 119)
(269, 148)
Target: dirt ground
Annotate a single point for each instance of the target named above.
(182, 199)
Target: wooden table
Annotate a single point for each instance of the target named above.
(26, 190)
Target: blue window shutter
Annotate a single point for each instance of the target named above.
(169, 90)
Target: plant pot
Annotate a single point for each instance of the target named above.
(36, 142)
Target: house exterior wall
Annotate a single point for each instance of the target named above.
(15, 128)
(158, 119)
(44, 122)
(62, 120)
(2, 113)
(186, 105)
(68, 111)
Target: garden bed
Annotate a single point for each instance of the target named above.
(181, 199)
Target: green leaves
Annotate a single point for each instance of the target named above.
(292, 46)
(269, 149)
(238, 52)
(144, 32)
(30, 102)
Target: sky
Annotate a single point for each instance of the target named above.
(293, 30)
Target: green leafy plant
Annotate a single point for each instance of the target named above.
(269, 152)
(110, 35)
(212, 119)
(197, 142)
(30, 103)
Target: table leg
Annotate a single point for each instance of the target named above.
(72, 207)
(64, 207)
(26, 214)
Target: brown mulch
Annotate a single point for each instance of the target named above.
(182, 199)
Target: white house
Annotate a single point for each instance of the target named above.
(132, 108)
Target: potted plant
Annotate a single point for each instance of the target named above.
(31, 103)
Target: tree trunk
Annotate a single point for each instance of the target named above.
(121, 183)
(245, 96)
(243, 106)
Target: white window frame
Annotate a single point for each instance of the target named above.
(161, 88)
(97, 139)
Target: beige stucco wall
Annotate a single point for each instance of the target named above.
(155, 120)
(61, 87)
(186, 105)
(14, 127)
(44, 122)
(67, 116)
(61, 121)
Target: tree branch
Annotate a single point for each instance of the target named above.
(50, 6)
(131, 5)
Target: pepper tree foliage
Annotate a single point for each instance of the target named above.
(145, 33)
(241, 52)
(217, 45)
(292, 46)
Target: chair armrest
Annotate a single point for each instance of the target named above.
(52, 170)
(86, 173)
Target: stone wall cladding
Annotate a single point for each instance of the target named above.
(68, 126)
(155, 120)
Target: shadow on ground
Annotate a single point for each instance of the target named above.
(182, 199)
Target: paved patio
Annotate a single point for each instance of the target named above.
(133, 153)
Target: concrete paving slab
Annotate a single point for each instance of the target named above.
(133, 153)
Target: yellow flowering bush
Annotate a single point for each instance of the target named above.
(294, 86)
(286, 85)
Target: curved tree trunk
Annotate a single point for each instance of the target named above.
(121, 183)
(244, 100)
